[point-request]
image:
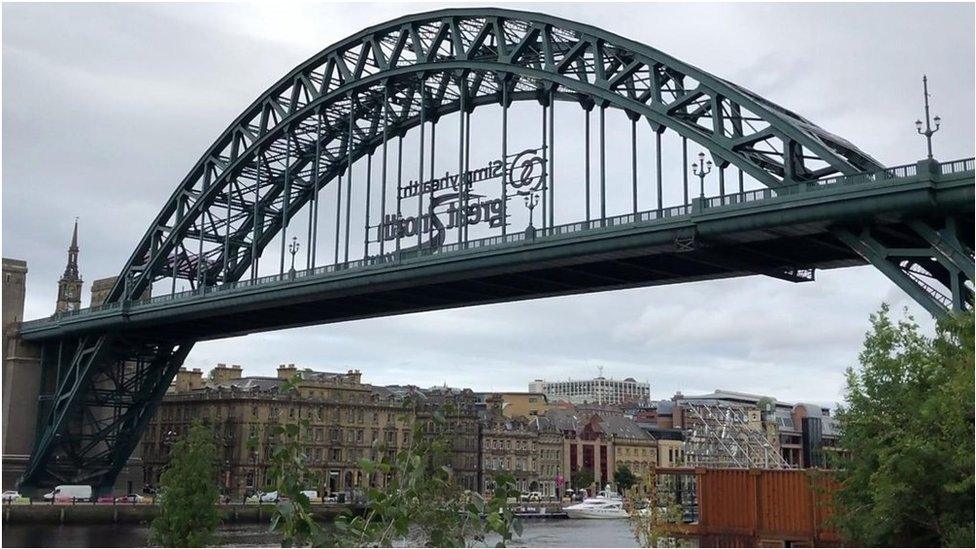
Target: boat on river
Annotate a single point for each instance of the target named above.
(597, 508)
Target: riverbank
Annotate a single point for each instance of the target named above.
(96, 513)
(542, 533)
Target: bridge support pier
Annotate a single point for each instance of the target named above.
(100, 394)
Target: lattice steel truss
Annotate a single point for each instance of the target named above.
(720, 436)
(925, 259)
(352, 97)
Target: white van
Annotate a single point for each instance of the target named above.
(70, 492)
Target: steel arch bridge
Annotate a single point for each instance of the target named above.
(814, 201)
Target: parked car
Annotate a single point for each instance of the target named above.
(132, 498)
(535, 496)
(70, 492)
(106, 499)
(262, 497)
(312, 495)
(11, 495)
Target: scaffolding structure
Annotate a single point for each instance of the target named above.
(720, 436)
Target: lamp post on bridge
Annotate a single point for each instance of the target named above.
(701, 169)
(531, 201)
(293, 249)
(929, 131)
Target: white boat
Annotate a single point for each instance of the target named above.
(597, 508)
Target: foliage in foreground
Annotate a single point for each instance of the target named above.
(908, 426)
(421, 506)
(660, 513)
(188, 494)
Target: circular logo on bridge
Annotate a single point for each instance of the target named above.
(526, 172)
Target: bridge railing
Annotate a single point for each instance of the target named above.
(956, 166)
(908, 170)
(896, 172)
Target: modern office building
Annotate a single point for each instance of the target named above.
(599, 390)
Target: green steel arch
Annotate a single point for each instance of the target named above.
(345, 101)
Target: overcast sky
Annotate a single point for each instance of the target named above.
(106, 107)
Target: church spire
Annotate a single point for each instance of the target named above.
(71, 270)
(69, 287)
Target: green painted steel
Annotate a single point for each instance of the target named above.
(827, 205)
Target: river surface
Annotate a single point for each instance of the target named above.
(535, 533)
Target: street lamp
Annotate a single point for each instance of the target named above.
(531, 201)
(293, 249)
(227, 477)
(929, 131)
(701, 169)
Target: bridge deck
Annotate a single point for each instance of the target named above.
(781, 232)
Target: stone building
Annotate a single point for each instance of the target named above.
(461, 428)
(525, 447)
(600, 445)
(508, 447)
(348, 420)
(516, 403)
(21, 376)
(630, 445)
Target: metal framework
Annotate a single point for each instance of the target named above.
(720, 436)
(298, 143)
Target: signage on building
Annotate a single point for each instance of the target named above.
(453, 204)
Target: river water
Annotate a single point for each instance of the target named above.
(535, 533)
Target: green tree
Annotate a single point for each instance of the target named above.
(624, 478)
(656, 516)
(582, 478)
(188, 493)
(907, 429)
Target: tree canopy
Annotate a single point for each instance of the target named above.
(624, 478)
(907, 428)
(188, 493)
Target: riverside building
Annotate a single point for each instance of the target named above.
(348, 420)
